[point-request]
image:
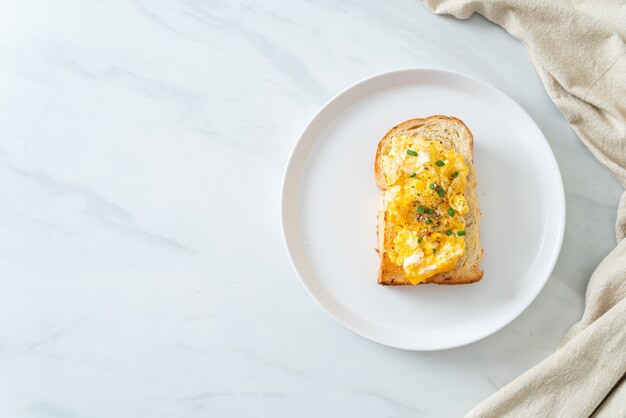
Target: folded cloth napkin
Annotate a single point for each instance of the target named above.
(579, 50)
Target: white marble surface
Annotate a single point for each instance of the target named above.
(142, 272)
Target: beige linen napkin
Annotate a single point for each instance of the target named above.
(579, 50)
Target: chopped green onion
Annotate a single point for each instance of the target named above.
(428, 222)
(412, 175)
(451, 211)
(430, 211)
(440, 163)
(434, 250)
(419, 240)
(420, 209)
(432, 186)
(440, 192)
(455, 174)
(449, 232)
(411, 152)
(460, 233)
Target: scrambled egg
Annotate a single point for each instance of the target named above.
(425, 206)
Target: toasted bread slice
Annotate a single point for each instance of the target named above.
(453, 134)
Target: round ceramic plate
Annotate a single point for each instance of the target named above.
(330, 199)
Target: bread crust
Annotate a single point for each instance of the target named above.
(458, 137)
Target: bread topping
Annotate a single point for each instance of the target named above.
(424, 205)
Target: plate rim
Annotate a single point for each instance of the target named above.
(561, 201)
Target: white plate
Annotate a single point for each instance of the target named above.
(329, 203)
